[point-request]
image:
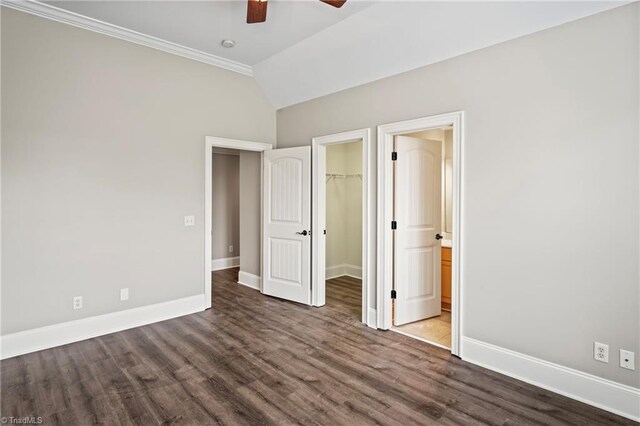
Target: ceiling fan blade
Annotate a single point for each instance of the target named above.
(256, 11)
(334, 3)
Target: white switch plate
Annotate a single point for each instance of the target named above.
(124, 294)
(77, 302)
(600, 352)
(230, 249)
(189, 220)
(627, 359)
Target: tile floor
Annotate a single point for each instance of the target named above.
(436, 329)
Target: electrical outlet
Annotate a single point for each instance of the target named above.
(600, 352)
(77, 302)
(230, 249)
(124, 294)
(627, 359)
(189, 220)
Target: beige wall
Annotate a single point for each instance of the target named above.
(225, 199)
(102, 157)
(335, 213)
(551, 159)
(353, 204)
(250, 217)
(344, 206)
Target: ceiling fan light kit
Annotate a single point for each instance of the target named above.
(257, 9)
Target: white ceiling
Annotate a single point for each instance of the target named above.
(202, 25)
(308, 49)
(389, 38)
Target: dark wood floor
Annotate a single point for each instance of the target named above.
(253, 359)
(344, 294)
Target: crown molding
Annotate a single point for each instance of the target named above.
(66, 17)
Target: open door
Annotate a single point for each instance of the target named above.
(286, 239)
(417, 187)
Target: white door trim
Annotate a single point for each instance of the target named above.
(210, 143)
(385, 205)
(318, 204)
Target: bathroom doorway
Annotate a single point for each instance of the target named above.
(419, 250)
(422, 245)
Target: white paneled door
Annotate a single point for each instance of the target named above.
(286, 240)
(417, 187)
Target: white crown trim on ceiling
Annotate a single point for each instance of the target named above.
(56, 14)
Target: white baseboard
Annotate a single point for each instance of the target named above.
(353, 271)
(605, 394)
(372, 318)
(225, 263)
(333, 271)
(51, 336)
(342, 270)
(249, 280)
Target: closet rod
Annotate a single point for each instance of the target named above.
(334, 175)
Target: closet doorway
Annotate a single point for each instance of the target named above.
(341, 221)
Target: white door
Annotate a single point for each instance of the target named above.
(286, 239)
(417, 213)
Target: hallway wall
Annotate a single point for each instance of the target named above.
(226, 206)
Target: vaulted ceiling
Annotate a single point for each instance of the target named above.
(308, 49)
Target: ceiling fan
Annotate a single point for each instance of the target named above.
(257, 9)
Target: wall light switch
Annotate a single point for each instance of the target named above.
(230, 249)
(627, 359)
(124, 294)
(189, 220)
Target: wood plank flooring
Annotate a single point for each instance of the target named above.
(344, 294)
(253, 359)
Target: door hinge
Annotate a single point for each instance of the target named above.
(394, 224)
(394, 156)
(325, 232)
(393, 294)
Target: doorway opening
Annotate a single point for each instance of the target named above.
(225, 217)
(419, 246)
(422, 246)
(341, 220)
(343, 231)
(233, 211)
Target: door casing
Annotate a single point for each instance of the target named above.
(384, 271)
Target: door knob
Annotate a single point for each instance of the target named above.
(302, 233)
(439, 237)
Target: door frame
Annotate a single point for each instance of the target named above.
(318, 219)
(211, 143)
(385, 135)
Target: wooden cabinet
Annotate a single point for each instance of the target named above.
(446, 279)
